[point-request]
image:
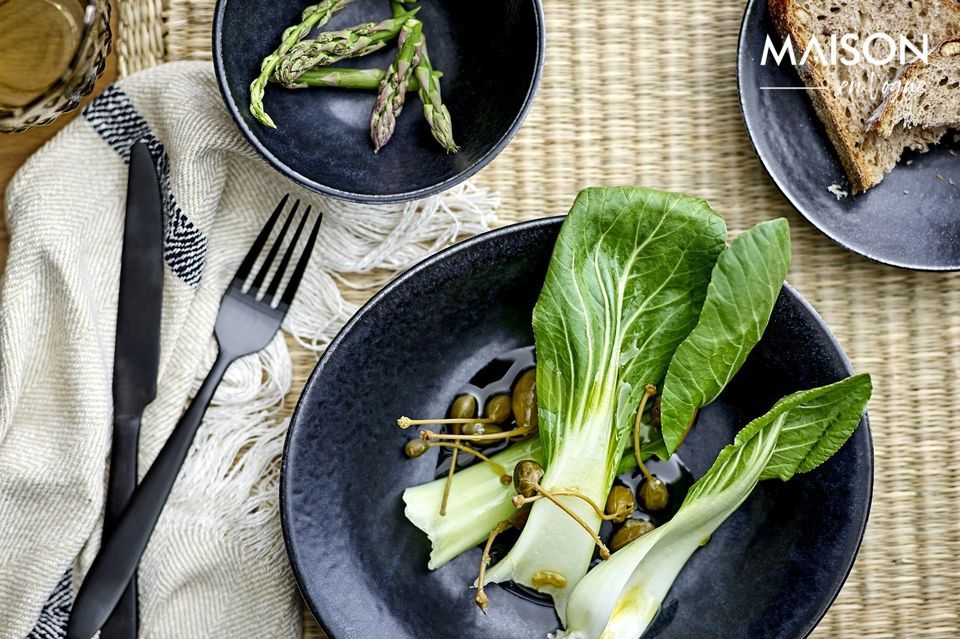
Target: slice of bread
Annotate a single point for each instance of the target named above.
(927, 94)
(846, 96)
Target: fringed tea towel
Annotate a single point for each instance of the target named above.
(215, 566)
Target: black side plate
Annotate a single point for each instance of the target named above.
(911, 219)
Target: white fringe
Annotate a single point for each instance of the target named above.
(235, 459)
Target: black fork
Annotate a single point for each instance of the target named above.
(249, 318)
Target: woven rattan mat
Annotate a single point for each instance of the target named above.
(644, 92)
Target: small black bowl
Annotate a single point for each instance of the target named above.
(491, 54)
(770, 571)
(908, 220)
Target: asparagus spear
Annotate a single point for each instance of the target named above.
(393, 88)
(333, 46)
(433, 108)
(315, 15)
(361, 79)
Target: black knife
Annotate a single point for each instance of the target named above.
(136, 357)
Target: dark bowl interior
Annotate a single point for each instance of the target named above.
(491, 54)
(908, 220)
(771, 570)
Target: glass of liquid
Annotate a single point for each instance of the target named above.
(51, 53)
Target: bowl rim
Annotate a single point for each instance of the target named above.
(466, 245)
(372, 198)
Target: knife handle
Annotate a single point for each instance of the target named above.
(121, 483)
(119, 555)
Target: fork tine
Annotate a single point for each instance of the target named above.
(247, 264)
(298, 271)
(285, 260)
(272, 253)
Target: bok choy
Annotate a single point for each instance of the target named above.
(482, 502)
(624, 287)
(620, 597)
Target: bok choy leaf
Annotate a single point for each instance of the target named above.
(620, 597)
(744, 287)
(625, 286)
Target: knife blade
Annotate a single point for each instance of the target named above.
(136, 357)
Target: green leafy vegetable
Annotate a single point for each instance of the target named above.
(482, 502)
(743, 289)
(620, 597)
(624, 287)
(481, 499)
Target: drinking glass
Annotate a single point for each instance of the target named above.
(51, 53)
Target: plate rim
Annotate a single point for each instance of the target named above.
(373, 198)
(466, 245)
(779, 181)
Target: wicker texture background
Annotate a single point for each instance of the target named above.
(661, 110)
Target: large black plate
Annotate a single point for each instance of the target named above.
(770, 571)
(911, 219)
(491, 53)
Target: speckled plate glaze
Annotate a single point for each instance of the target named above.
(491, 54)
(770, 571)
(911, 219)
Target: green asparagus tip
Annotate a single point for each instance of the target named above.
(262, 117)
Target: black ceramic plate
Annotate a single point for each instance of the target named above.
(770, 571)
(911, 219)
(491, 54)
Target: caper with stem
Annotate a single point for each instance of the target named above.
(526, 480)
(620, 503)
(526, 477)
(463, 411)
(630, 530)
(653, 493)
(415, 448)
(518, 520)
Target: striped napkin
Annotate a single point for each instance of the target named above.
(215, 566)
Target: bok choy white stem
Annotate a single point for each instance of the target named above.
(481, 501)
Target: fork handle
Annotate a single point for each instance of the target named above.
(119, 555)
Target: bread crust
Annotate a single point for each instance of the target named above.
(862, 174)
(881, 120)
(784, 17)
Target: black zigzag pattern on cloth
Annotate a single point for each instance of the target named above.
(120, 125)
(52, 622)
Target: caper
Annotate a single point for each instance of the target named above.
(499, 409)
(630, 530)
(463, 406)
(655, 413)
(526, 477)
(654, 494)
(525, 400)
(481, 429)
(415, 447)
(519, 519)
(620, 503)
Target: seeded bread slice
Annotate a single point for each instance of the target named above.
(846, 96)
(927, 94)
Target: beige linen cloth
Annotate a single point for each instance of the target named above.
(215, 566)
